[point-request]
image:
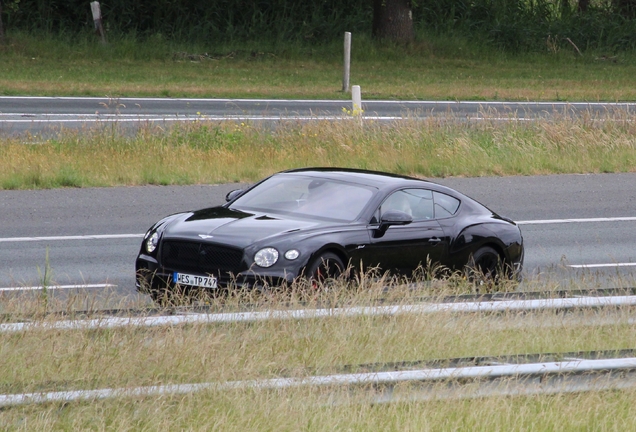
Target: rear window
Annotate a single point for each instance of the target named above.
(445, 205)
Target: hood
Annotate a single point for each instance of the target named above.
(233, 227)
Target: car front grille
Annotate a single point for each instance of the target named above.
(204, 258)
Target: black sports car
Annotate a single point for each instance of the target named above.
(316, 222)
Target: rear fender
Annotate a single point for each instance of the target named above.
(471, 239)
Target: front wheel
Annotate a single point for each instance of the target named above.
(324, 269)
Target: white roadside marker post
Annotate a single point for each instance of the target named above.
(356, 98)
(347, 62)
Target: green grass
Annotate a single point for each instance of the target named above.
(432, 68)
(209, 152)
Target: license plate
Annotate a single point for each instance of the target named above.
(194, 280)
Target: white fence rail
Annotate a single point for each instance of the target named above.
(361, 379)
(424, 308)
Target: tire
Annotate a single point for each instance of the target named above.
(324, 269)
(484, 266)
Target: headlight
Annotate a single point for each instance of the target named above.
(292, 254)
(266, 257)
(152, 242)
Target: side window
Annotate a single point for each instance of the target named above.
(415, 202)
(445, 205)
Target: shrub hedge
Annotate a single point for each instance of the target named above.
(517, 25)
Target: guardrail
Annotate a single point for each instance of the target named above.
(569, 375)
(425, 308)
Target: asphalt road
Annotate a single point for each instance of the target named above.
(34, 222)
(47, 115)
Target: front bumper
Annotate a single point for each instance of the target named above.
(151, 276)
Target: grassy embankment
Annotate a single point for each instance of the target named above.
(45, 360)
(214, 153)
(210, 153)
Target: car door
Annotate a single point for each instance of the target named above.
(402, 248)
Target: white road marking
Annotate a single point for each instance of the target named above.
(115, 100)
(602, 265)
(196, 119)
(65, 238)
(364, 379)
(54, 287)
(586, 220)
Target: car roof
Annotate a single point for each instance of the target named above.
(376, 179)
(383, 181)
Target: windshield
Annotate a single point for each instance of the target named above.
(307, 196)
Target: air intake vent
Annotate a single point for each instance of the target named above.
(201, 257)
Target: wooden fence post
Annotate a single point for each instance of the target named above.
(97, 19)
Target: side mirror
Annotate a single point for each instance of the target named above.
(393, 217)
(233, 194)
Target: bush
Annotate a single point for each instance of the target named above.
(523, 25)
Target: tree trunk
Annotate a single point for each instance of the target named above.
(583, 5)
(393, 20)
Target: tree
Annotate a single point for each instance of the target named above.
(393, 20)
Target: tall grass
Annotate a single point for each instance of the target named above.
(53, 360)
(59, 360)
(306, 410)
(210, 152)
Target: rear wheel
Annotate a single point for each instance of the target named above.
(324, 269)
(484, 266)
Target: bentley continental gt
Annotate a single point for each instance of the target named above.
(315, 223)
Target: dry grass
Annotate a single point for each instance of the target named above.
(301, 410)
(68, 360)
(208, 152)
(48, 360)
(54, 360)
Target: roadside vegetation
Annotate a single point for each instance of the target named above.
(433, 67)
(294, 410)
(437, 65)
(60, 360)
(212, 152)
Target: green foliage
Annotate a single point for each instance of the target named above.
(522, 25)
(225, 20)
(193, 20)
(530, 25)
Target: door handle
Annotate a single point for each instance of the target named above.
(434, 240)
